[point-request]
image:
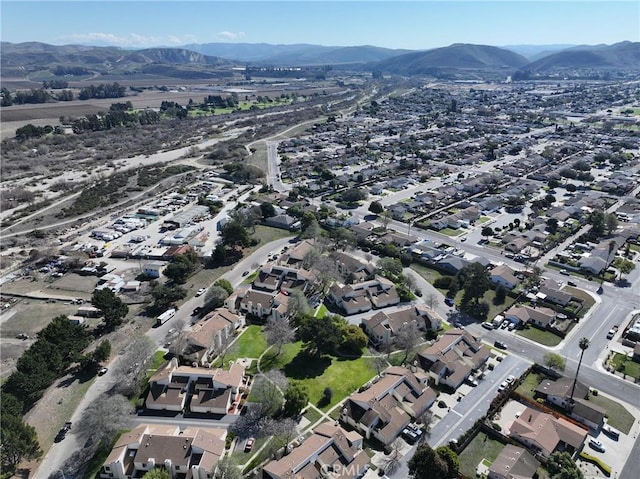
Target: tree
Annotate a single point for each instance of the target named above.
(407, 338)
(234, 234)
(311, 258)
(597, 221)
(390, 268)
(19, 442)
(165, 296)
(476, 282)
(560, 465)
(156, 473)
(224, 283)
(326, 271)
(391, 461)
(501, 294)
(296, 398)
(267, 210)
(103, 418)
(552, 225)
(385, 219)
(227, 469)
(449, 456)
(343, 238)
(426, 464)
(353, 339)
(487, 231)
(130, 369)
(376, 207)
(297, 304)
(278, 332)
(431, 300)
(612, 223)
(320, 335)
(102, 352)
(282, 432)
(554, 361)
(214, 298)
(624, 266)
(583, 344)
(268, 391)
(180, 268)
(112, 307)
(311, 231)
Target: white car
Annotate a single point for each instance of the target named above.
(201, 291)
(597, 445)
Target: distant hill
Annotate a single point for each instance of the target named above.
(296, 54)
(535, 52)
(456, 56)
(33, 56)
(623, 55)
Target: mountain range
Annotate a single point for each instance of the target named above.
(209, 59)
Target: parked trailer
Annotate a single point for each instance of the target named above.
(166, 316)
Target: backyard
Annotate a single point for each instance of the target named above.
(623, 364)
(482, 447)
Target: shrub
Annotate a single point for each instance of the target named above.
(594, 392)
(496, 426)
(595, 460)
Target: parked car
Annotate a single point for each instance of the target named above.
(63, 431)
(565, 272)
(249, 445)
(245, 273)
(102, 371)
(597, 445)
(504, 385)
(611, 432)
(504, 324)
(572, 283)
(511, 326)
(448, 301)
(486, 325)
(611, 334)
(510, 379)
(201, 291)
(500, 345)
(471, 381)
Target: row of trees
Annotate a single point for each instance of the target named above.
(103, 90)
(58, 346)
(35, 95)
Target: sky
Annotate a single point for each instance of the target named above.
(413, 25)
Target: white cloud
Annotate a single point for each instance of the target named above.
(230, 36)
(182, 39)
(129, 40)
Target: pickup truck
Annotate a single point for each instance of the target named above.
(612, 332)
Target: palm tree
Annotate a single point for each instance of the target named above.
(584, 344)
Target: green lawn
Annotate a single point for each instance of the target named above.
(250, 344)
(312, 415)
(482, 447)
(617, 414)
(321, 311)
(529, 384)
(427, 273)
(343, 376)
(623, 364)
(272, 360)
(452, 232)
(546, 338)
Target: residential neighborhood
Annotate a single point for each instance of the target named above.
(443, 269)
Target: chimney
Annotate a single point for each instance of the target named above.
(530, 417)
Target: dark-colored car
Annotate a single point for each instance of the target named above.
(500, 345)
(63, 431)
(448, 301)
